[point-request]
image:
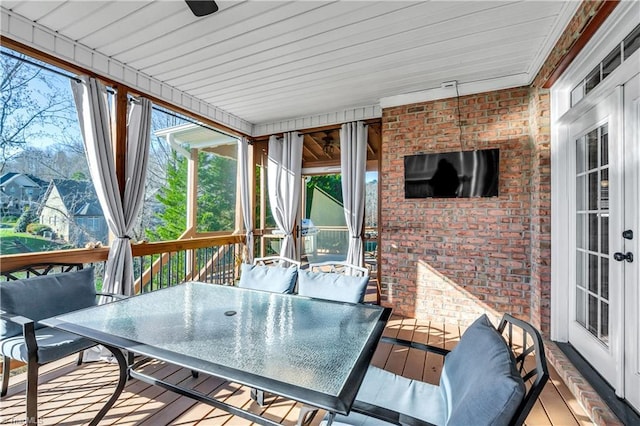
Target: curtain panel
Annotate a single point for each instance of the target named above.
(353, 162)
(95, 124)
(284, 173)
(244, 163)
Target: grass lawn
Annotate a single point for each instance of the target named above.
(12, 242)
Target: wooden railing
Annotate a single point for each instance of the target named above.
(156, 265)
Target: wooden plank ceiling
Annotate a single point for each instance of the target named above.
(269, 61)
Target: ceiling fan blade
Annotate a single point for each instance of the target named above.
(202, 7)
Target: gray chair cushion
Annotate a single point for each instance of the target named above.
(479, 380)
(275, 279)
(53, 344)
(411, 397)
(45, 296)
(332, 286)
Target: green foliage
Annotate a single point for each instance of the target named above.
(216, 193)
(80, 176)
(38, 229)
(216, 197)
(173, 196)
(28, 216)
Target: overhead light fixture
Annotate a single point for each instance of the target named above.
(327, 148)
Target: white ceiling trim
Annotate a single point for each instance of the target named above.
(319, 120)
(470, 88)
(45, 40)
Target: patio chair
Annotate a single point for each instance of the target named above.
(337, 281)
(25, 302)
(274, 273)
(482, 381)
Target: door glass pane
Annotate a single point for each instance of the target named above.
(604, 234)
(581, 269)
(593, 273)
(604, 278)
(581, 193)
(604, 325)
(581, 231)
(581, 312)
(592, 232)
(593, 191)
(581, 155)
(592, 322)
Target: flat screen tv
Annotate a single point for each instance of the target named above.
(460, 174)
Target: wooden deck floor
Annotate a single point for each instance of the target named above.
(71, 395)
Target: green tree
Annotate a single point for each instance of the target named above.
(216, 193)
(216, 197)
(173, 197)
(27, 217)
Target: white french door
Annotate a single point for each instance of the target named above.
(604, 294)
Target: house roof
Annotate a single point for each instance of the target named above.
(25, 180)
(79, 197)
(264, 67)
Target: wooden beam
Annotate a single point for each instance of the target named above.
(120, 142)
(587, 32)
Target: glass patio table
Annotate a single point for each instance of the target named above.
(308, 350)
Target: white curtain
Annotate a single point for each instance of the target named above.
(244, 162)
(353, 161)
(95, 123)
(284, 171)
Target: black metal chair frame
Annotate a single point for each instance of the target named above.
(28, 333)
(531, 343)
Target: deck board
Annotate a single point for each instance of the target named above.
(71, 395)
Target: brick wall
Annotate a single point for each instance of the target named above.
(452, 259)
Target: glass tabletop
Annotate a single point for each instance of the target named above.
(307, 343)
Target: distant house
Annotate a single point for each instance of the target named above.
(18, 190)
(72, 210)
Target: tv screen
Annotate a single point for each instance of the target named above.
(452, 174)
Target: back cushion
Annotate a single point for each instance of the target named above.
(275, 278)
(332, 286)
(45, 296)
(479, 380)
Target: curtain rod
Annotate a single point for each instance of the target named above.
(110, 90)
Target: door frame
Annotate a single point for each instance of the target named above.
(621, 21)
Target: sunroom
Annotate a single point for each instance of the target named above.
(540, 100)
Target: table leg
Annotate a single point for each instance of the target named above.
(122, 380)
(307, 413)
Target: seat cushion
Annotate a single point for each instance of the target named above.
(53, 344)
(411, 397)
(332, 286)
(45, 296)
(275, 279)
(479, 378)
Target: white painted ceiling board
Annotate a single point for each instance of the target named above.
(135, 24)
(255, 45)
(275, 60)
(34, 10)
(398, 62)
(183, 38)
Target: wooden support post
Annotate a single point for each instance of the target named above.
(120, 142)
